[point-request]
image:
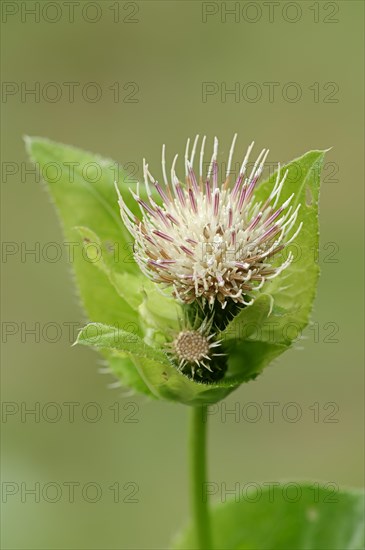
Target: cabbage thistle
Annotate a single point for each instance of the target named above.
(214, 244)
(222, 284)
(224, 275)
(209, 241)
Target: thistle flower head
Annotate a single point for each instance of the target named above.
(195, 349)
(209, 240)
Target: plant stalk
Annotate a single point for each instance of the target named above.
(199, 500)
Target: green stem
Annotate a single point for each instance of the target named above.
(199, 501)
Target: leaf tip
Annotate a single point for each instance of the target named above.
(28, 142)
(31, 142)
(80, 338)
(77, 341)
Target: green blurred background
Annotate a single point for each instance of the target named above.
(168, 51)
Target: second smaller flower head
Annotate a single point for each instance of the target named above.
(210, 241)
(195, 350)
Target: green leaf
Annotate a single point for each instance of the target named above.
(264, 330)
(128, 286)
(294, 290)
(125, 370)
(160, 311)
(247, 358)
(241, 340)
(287, 517)
(159, 374)
(82, 187)
(246, 325)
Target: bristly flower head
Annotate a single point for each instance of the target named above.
(208, 240)
(195, 349)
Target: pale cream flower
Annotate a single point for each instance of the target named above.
(207, 240)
